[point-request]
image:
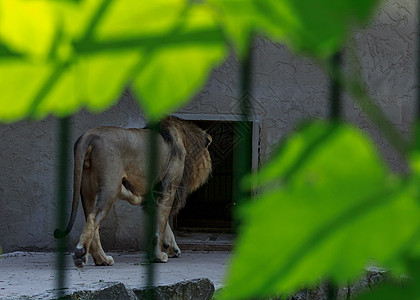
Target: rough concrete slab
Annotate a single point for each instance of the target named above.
(95, 291)
(200, 289)
(33, 273)
(195, 289)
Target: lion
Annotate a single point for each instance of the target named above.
(113, 162)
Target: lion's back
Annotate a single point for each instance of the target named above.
(124, 149)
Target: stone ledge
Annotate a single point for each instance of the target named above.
(200, 289)
(372, 278)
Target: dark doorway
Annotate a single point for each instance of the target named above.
(209, 209)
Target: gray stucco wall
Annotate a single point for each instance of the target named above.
(286, 88)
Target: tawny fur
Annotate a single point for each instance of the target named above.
(197, 165)
(111, 163)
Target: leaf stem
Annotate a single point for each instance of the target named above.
(202, 36)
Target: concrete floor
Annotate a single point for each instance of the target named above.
(32, 273)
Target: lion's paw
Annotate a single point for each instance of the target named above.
(171, 251)
(109, 261)
(177, 253)
(161, 257)
(104, 261)
(79, 257)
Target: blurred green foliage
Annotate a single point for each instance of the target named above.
(328, 204)
(329, 207)
(74, 54)
(318, 28)
(68, 55)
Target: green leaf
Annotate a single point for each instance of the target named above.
(171, 75)
(128, 18)
(93, 49)
(414, 164)
(83, 83)
(290, 155)
(391, 291)
(102, 91)
(317, 28)
(415, 153)
(15, 101)
(239, 19)
(335, 210)
(27, 26)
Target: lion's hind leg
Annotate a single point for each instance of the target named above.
(98, 254)
(90, 240)
(163, 231)
(127, 195)
(81, 252)
(96, 206)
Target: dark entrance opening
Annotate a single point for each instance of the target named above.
(209, 209)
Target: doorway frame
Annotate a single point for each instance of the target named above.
(256, 121)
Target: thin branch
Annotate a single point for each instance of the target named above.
(94, 21)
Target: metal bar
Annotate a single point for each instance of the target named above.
(242, 130)
(335, 88)
(335, 113)
(63, 146)
(417, 76)
(151, 211)
(331, 291)
(356, 88)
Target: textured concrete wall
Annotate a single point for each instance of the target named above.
(28, 161)
(286, 89)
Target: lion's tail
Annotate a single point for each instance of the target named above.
(80, 148)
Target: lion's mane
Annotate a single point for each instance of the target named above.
(197, 165)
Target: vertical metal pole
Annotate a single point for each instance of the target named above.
(335, 114)
(63, 147)
(242, 150)
(335, 88)
(417, 77)
(151, 211)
